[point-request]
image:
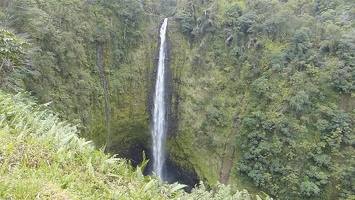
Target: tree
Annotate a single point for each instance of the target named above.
(309, 189)
(12, 51)
(300, 101)
(246, 23)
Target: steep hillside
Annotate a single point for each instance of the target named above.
(93, 59)
(261, 91)
(266, 92)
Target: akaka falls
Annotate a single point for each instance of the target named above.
(159, 115)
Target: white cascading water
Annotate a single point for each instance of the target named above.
(159, 118)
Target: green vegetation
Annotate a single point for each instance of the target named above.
(277, 78)
(42, 158)
(262, 91)
(81, 61)
(13, 53)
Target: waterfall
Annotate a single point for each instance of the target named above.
(159, 115)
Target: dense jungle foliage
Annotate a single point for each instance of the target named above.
(262, 91)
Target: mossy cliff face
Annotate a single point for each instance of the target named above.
(131, 89)
(262, 92)
(203, 140)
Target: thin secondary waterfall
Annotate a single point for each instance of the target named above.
(159, 115)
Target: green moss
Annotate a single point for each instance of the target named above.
(183, 154)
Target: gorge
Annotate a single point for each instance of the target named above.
(260, 92)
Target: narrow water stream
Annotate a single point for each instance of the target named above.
(159, 126)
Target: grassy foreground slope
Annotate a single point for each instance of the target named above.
(42, 158)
